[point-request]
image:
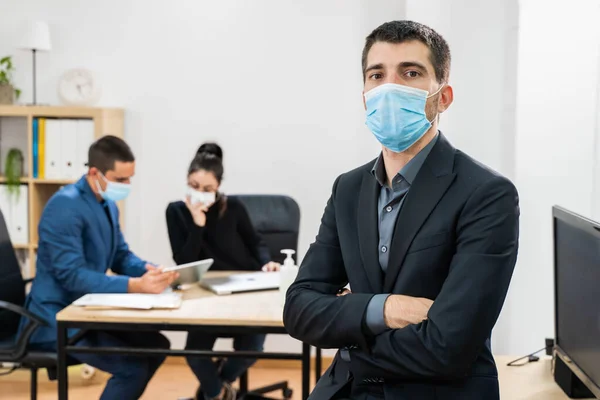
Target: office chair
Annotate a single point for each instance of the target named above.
(13, 346)
(277, 219)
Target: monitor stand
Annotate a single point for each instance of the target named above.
(569, 382)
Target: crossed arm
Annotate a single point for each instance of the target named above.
(459, 321)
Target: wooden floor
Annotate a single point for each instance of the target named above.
(174, 380)
(170, 382)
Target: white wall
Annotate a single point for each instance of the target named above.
(483, 41)
(277, 83)
(481, 122)
(557, 132)
(526, 103)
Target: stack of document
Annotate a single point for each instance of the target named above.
(137, 301)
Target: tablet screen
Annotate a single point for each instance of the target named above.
(204, 264)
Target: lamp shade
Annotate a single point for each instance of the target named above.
(36, 36)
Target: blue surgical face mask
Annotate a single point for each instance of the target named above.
(114, 191)
(396, 115)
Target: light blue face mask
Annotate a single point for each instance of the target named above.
(114, 191)
(396, 115)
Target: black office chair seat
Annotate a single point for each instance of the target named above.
(32, 358)
(7, 343)
(39, 360)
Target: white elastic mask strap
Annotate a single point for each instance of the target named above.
(98, 186)
(437, 91)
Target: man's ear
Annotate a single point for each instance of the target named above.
(446, 98)
(95, 172)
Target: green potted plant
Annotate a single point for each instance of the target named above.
(13, 171)
(8, 92)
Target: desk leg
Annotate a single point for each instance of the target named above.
(318, 364)
(244, 383)
(63, 377)
(305, 370)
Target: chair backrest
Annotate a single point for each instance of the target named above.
(276, 218)
(12, 286)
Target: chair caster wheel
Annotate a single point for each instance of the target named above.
(87, 372)
(288, 393)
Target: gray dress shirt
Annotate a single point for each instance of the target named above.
(389, 205)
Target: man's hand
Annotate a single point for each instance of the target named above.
(343, 292)
(271, 266)
(400, 311)
(154, 281)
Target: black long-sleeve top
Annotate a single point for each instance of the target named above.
(230, 239)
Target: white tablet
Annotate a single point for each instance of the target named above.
(202, 266)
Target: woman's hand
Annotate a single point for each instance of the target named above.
(271, 266)
(197, 210)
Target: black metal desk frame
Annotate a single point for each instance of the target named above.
(67, 346)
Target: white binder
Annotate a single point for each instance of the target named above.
(68, 143)
(20, 216)
(16, 215)
(85, 138)
(52, 149)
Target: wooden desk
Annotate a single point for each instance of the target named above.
(199, 307)
(258, 312)
(262, 312)
(532, 381)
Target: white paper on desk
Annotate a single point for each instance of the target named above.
(138, 301)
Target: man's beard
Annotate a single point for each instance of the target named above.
(431, 108)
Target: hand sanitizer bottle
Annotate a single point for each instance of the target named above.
(287, 274)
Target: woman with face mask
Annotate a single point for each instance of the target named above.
(207, 224)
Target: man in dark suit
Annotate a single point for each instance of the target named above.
(426, 237)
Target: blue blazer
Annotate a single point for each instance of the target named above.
(77, 245)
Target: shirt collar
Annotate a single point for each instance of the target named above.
(409, 171)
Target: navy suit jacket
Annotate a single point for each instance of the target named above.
(455, 242)
(77, 245)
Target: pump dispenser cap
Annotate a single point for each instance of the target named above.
(289, 261)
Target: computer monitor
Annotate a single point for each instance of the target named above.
(577, 303)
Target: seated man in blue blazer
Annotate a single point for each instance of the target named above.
(79, 240)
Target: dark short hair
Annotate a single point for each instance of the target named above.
(403, 31)
(208, 158)
(107, 150)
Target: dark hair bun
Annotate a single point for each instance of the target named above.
(211, 148)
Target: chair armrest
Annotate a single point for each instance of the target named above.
(20, 348)
(22, 312)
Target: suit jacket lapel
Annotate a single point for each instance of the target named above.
(368, 230)
(113, 227)
(429, 186)
(96, 209)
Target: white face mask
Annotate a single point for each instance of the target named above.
(206, 198)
